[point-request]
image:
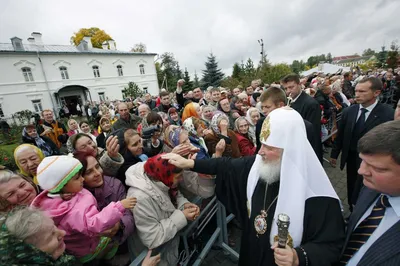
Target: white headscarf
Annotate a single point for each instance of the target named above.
(302, 175)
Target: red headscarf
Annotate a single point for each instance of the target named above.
(160, 170)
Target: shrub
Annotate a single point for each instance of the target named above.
(7, 160)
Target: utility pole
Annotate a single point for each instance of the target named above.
(261, 43)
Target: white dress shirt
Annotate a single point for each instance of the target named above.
(392, 216)
(369, 108)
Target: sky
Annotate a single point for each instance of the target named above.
(291, 29)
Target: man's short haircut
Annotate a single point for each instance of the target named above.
(276, 95)
(375, 83)
(346, 75)
(46, 110)
(214, 89)
(122, 104)
(164, 93)
(382, 139)
(291, 77)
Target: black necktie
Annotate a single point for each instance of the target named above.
(365, 229)
(360, 122)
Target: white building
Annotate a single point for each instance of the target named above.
(36, 76)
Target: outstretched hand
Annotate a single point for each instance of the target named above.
(112, 146)
(178, 161)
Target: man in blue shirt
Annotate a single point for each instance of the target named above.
(374, 226)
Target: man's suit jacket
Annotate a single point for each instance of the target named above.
(380, 114)
(309, 130)
(386, 250)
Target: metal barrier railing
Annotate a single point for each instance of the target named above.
(219, 236)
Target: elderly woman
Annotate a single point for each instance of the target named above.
(252, 116)
(191, 110)
(173, 117)
(29, 237)
(220, 130)
(106, 189)
(45, 144)
(196, 128)
(15, 190)
(207, 112)
(73, 127)
(109, 158)
(161, 211)
(246, 145)
(28, 157)
(105, 130)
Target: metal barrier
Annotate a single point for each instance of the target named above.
(193, 230)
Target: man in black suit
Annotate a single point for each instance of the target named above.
(373, 230)
(306, 105)
(272, 99)
(357, 120)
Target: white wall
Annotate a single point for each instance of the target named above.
(16, 94)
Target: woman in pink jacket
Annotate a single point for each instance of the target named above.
(74, 209)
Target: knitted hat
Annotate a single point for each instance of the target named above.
(55, 171)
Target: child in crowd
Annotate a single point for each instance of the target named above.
(74, 209)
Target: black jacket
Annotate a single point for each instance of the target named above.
(324, 100)
(380, 114)
(48, 141)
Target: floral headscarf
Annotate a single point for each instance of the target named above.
(171, 135)
(40, 143)
(217, 117)
(35, 149)
(14, 251)
(189, 126)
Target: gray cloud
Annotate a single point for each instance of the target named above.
(291, 29)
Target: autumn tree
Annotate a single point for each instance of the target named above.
(97, 36)
(139, 48)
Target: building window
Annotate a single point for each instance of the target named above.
(27, 72)
(64, 72)
(145, 90)
(141, 67)
(120, 72)
(102, 97)
(96, 71)
(37, 105)
(1, 111)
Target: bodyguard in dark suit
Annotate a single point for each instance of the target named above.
(357, 120)
(306, 106)
(272, 99)
(373, 230)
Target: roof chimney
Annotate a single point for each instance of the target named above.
(38, 38)
(17, 44)
(89, 42)
(112, 44)
(105, 45)
(31, 40)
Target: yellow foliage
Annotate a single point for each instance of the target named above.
(97, 35)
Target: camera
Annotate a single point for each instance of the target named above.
(147, 133)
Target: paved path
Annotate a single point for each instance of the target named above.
(338, 179)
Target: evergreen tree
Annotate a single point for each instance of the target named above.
(296, 68)
(393, 55)
(196, 82)
(329, 58)
(133, 90)
(249, 69)
(178, 72)
(237, 71)
(212, 75)
(188, 84)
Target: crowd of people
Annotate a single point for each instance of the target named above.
(101, 190)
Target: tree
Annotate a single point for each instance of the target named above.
(133, 90)
(237, 71)
(273, 73)
(168, 66)
(98, 36)
(178, 71)
(249, 69)
(368, 52)
(329, 58)
(139, 48)
(196, 82)
(188, 83)
(212, 75)
(296, 67)
(393, 55)
(160, 74)
(382, 56)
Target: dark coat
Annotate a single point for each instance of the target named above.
(324, 100)
(132, 123)
(112, 190)
(48, 141)
(101, 140)
(380, 114)
(385, 251)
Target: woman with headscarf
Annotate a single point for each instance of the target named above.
(161, 211)
(73, 127)
(196, 128)
(105, 130)
(252, 116)
(85, 128)
(45, 144)
(173, 117)
(15, 190)
(220, 130)
(28, 237)
(246, 145)
(191, 110)
(254, 99)
(207, 112)
(28, 157)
